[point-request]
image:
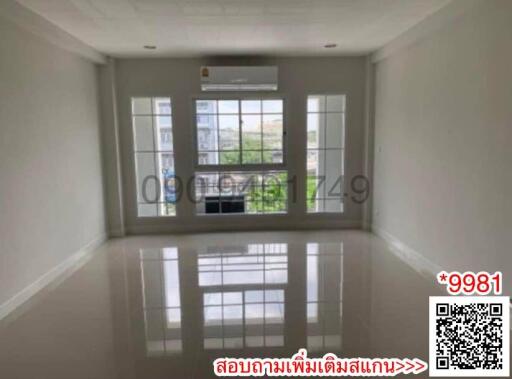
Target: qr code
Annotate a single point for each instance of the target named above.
(469, 336)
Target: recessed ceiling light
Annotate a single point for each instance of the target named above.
(330, 46)
(149, 47)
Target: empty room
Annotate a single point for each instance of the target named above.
(196, 189)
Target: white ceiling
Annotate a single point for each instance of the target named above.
(216, 27)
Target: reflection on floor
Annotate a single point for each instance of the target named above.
(165, 307)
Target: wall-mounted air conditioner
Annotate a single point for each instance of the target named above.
(239, 78)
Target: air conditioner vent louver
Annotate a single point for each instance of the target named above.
(244, 78)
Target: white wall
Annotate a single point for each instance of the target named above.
(443, 142)
(298, 77)
(51, 195)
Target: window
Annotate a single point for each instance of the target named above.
(242, 137)
(325, 153)
(244, 192)
(154, 156)
(239, 132)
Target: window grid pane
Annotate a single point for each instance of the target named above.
(154, 156)
(239, 132)
(325, 153)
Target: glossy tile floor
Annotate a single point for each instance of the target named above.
(165, 307)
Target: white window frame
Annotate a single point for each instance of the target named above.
(256, 168)
(155, 151)
(343, 187)
(241, 166)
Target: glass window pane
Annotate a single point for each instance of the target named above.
(254, 296)
(228, 106)
(162, 105)
(213, 298)
(254, 205)
(152, 131)
(312, 193)
(251, 139)
(316, 103)
(143, 133)
(334, 130)
(316, 121)
(163, 122)
(251, 106)
(146, 179)
(167, 209)
(167, 178)
(333, 166)
(274, 296)
(207, 133)
(273, 156)
(210, 278)
(272, 106)
(260, 138)
(170, 253)
(272, 132)
(206, 106)
(335, 103)
(232, 297)
(207, 158)
(313, 130)
(242, 192)
(164, 140)
(333, 205)
(228, 133)
(325, 153)
(313, 162)
(251, 156)
(275, 193)
(141, 106)
(147, 210)
(233, 314)
(229, 157)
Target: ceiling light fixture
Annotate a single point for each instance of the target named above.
(330, 46)
(149, 47)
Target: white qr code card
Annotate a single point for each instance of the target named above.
(469, 336)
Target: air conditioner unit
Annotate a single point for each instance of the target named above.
(241, 78)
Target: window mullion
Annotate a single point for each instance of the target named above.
(155, 158)
(240, 161)
(261, 132)
(217, 130)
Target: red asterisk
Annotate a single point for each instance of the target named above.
(443, 277)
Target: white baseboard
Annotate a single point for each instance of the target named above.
(414, 259)
(71, 264)
(116, 233)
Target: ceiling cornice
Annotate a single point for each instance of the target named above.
(429, 25)
(39, 26)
